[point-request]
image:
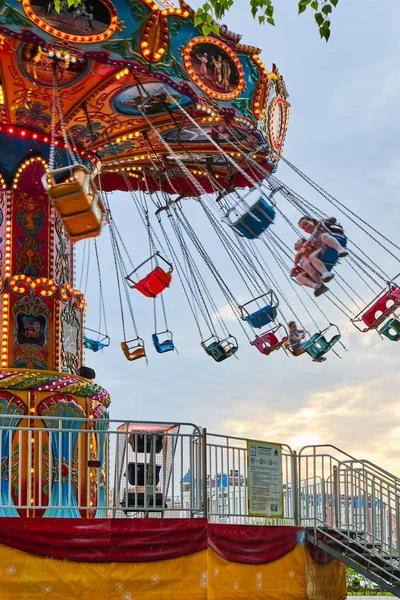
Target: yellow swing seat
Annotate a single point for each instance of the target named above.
(74, 195)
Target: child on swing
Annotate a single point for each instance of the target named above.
(303, 270)
(295, 339)
(322, 235)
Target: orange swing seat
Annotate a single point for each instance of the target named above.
(77, 200)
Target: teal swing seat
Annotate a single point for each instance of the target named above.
(391, 329)
(95, 342)
(220, 349)
(319, 344)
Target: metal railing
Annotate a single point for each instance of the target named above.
(227, 487)
(73, 467)
(354, 504)
(76, 467)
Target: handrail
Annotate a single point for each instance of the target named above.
(352, 459)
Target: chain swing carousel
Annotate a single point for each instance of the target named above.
(129, 96)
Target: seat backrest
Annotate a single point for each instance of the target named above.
(379, 310)
(391, 330)
(256, 219)
(316, 346)
(216, 351)
(262, 316)
(154, 283)
(266, 343)
(165, 346)
(333, 341)
(133, 353)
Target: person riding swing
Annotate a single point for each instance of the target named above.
(324, 234)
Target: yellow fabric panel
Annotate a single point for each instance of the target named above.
(283, 579)
(325, 582)
(201, 576)
(25, 576)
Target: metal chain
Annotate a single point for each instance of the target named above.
(177, 264)
(337, 203)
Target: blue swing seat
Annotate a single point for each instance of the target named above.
(254, 221)
(261, 317)
(95, 344)
(220, 349)
(166, 345)
(391, 329)
(318, 344)
(330, 256)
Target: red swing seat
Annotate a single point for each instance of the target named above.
(380, 308)
(154, 283)
(269, 342)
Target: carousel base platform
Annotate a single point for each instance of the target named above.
(161, 559)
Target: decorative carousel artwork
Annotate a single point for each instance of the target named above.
(70, 332)
(38, 66)
(31, 318)
(15, 409)
(90, 19)
(30, 219)
(194, 135)
(277, 121)
(157, 99)
(214, 68)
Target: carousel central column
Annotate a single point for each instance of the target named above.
(57, 465)
(44, 313)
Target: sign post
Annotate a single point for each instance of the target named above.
(264, 479)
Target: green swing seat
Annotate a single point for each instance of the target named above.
(318, 344)
(391, 330)
(220, 349)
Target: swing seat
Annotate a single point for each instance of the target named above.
(95, 343)
(376, 312)
(330, 256)
(134, 349)
(318, 345)
(269, 342)
(220, 349)
(289, 348)
(391, 330)
(166, 345)
(262, 316)
(74, 195)
(154, 283)
(254, 221)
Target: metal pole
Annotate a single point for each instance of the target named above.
(336, 495)
(204, 472)
(323, 502)
(295, 490)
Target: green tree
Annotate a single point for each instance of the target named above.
(263, 11)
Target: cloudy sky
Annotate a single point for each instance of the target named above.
(344, 133)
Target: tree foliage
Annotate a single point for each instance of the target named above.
(263, 11)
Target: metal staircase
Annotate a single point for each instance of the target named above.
(352, 510)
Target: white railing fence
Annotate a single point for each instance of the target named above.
(71, 467)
